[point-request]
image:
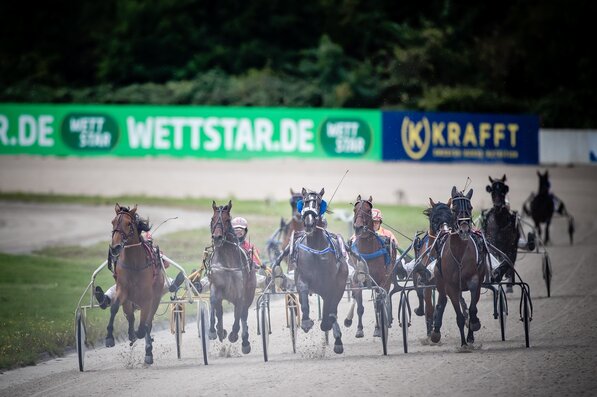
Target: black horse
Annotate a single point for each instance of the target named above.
(543, 205)
(321, 267)
(501, 226)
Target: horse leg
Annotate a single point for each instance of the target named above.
(233, 336)
(303, 290)
(474, 323)
(360, 311)
(350, 314)
(455, 299)
(438, 313)
(128, 310)
(428, 311)
(216, 313)
(148, 345)
(110, 336)
(420, 311)
(329, 320)
(246, 345)
(547, 230)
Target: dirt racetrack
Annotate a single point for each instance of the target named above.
(562, 359)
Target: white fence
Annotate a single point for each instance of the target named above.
(567, 146)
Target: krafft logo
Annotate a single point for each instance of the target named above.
(416, 137)
(90, 131)
(345, 137)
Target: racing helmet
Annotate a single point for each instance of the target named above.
(240, 222)
(376, 215)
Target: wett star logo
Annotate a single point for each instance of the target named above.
(416, 137)
(345, 137)
(90, 131)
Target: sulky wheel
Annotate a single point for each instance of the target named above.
(80, 335)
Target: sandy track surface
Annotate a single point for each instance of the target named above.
(561, 361)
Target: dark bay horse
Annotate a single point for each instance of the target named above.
(500, 224)
(320, 265)
(379, 253)
(139, 278)
(231, 276)
(461, 267)
(441, 220)
(543, 205)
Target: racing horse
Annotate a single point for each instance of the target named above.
(461, 266)
(377, 252)
(139, 278)
(321, 267)
(232, 277)
(441, 220)
(543, 205)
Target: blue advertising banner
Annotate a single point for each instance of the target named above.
(451, 137)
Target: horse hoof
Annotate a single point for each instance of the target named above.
(307, 324)
(246, 349)
(465, 349)
(359, 334)
(233, 337)
(222, 335)
(148, 360)
(109, 342)
(376, 333)
(435, 336)
(212, 335)
(419, 311)
(347, 323)
(470, 339)
(475, 326)
(338, 349)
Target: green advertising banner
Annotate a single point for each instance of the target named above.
(189, 131)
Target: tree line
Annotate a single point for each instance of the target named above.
(512, 56)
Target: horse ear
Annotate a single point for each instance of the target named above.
(322, 192)
(490, 180)
(454, 191)
(469, 194)
(213, 205)
(304, 192)
(504, 178)
(546, 173)
(358, 198)
(538, 174)
(117, 208)
(229, 205)
(371, 199)
(431, 202)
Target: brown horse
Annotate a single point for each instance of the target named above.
(461, 266)
(378, 252)
(139, 279)
(440, 220)
(232, 277)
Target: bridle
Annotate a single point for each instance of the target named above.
(360, 212)
(498, 192)
(462, 210)
(219, 224)
(115, 250)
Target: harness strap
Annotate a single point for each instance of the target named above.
(372, 255)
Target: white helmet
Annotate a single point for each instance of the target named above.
(240, 222)
(376, 214)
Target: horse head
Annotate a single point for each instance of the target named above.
(221, 225)
(441, 218)
(312, 207)
(295, 197)
(362, 219)
(498, 190)
(544, 184)
(463, 211)
(125, 229)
